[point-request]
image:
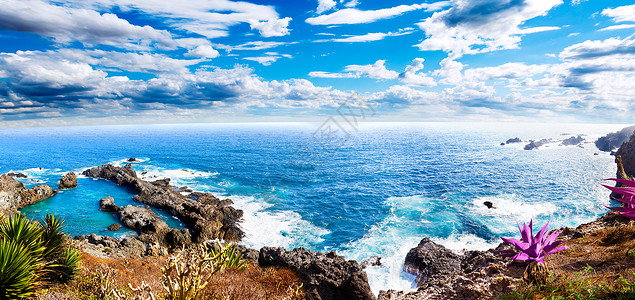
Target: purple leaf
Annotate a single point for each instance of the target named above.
(534, 248)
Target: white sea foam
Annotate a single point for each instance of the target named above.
(511, 205)
(265, 227)
(466, 241)
(391, 239)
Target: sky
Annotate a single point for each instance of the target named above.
(94, 62)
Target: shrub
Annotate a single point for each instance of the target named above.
(32, 253)
(533, 248)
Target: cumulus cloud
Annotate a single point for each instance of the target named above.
(203, 51)
(411, 77)
(505, 71)
(324, 5)
(356, 16)
(65, 24)
(268, 58)
(376, 71)
(621, 13)
(470, 27)
(274, 27)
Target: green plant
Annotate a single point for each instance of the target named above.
(32, 253)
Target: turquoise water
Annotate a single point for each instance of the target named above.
(377, 192)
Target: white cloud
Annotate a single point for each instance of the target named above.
(264, 60)
(591, 49)
(211, 19)
(531, 30)
(324, 5)
(411, 77)
(203, 51)
(65, 24)
(621, 13)
(356, 16)
(618, 27)
(505, 71)
(256, 45)
(321, 74)
(376, 71)
(369, 37)
(470, 27)
(450, 70)
(273, 27)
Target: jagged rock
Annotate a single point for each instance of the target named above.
(614, 140)
(627, 152)
(572, 141)
(533, 145)
(176, 238)
(68, 181)
(133, 246)
(155, 249)
(513, 140)
(17, 175)
(13, 194)
(372, 261)
(326, 276)
(248, 253)
(94, 239)
(132, 159)
(428, 259)
(108, 204)
(114, 227)
(141, 219)
(207, 216)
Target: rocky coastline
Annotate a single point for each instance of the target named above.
(440, 273)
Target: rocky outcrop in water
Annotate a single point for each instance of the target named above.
(141, 219)
(443, 274)
(512, 141)
(429, 259)
(13, 194)
(614, 140)
(205, 215)
(326, 276)
(573, 141)
(17, 175)
(534, 145)
(68, 181)
(108, 204)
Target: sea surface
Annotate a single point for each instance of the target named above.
(372, 191)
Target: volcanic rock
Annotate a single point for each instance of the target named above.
(372, 261)
(326, 276)
(572, 141)
(68, 181)
(627, 152)
(13, 194)
(533, 145)
(141, 219)
(205, 215)
(614, 140)
(428, 259)
(108, 204)
(114, 227)
(17, 175)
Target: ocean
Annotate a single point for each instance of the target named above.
(373, 191)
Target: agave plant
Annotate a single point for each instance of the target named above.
(628, 193)
(533, 248)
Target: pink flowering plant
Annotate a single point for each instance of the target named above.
(628, 193)
(533, 248)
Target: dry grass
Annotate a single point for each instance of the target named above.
(98, 276)
(600, 265)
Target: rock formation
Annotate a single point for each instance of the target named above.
(614, 140)
(326, 276)
(533, 145)
(108, 204)
(512, 141)
(114, 227)
(68, 181)
(205, 215)
(17, 175)
(573, 141)
(443, 274)
(13, 194)
(627, 153)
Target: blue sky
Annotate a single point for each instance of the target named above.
(90, 62)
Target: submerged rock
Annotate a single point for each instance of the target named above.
(114, 227)
(372, 261)
(13, 194)
(326, 276)
(68, 181)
